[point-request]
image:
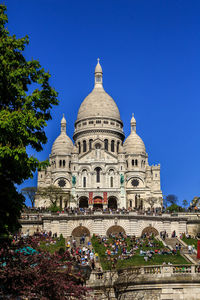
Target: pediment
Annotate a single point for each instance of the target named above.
(98, 155)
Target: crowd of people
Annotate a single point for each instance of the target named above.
(81, 251)
(120, 246)
(82, 254)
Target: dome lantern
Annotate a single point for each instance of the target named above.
(133, 123)
(63, 124)
(98, 75)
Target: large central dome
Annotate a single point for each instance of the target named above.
(98, 103)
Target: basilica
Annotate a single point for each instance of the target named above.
(100, 168)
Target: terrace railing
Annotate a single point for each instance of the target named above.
(161, 271)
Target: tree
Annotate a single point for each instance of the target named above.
(194, 201)
(30, 193)
(26, 98)
(170, 199)
(174, 208)
(185, 203)
(38, 274)
(52, 193)
(152, 201)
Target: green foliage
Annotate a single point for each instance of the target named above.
(23, 118)
(52, 193)
(99, 248)
(54, 208)
(175, 208)
(185, 203)
(190, 241)
(195, 200)
(170, 199)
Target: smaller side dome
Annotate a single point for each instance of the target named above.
(134, 144)
(63, 144)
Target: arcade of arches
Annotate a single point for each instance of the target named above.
(98, 202)
(115, 229)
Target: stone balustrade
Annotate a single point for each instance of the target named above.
(162, 271)
(38, 215)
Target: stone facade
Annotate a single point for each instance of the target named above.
(100, 223)
(148, 283)
(100, 169)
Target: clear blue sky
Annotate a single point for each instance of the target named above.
(150, 55)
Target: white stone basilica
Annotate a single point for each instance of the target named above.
(100, 169)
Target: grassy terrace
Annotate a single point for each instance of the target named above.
(54, 245)
(190, 241)
(126, 261)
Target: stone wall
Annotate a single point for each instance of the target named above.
(99, 223)
(148, 283)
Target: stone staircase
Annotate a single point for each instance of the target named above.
(85, 244)
(171, 243)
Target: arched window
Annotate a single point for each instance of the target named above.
(117, 147)
(111, 181)
(98, 174)
(84, 146)
(106, 144)
(60, 163)
(127, 163)
(136, 162)
(112, 146)
(131, 203)
(63, 163)
(132, 162)
(90, 144)
(84, 181)
(79, 147)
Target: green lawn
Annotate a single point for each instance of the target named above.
(136, 260)
(156, 259)
(190, 241)
(60, 243)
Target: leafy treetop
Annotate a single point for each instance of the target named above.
(26, 99)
